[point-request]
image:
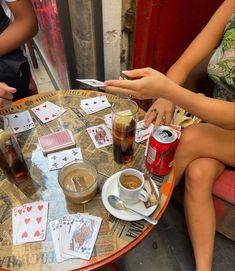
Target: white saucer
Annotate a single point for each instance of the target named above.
(111, 188)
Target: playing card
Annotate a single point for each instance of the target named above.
(108, 120)
(92, 105)
(29, 222)
(20, 122)
(60, 229)
(82, 236)
(54, 226)
(177, 129)
(100, 135)
(56, 141)
(48, 111)
(92, 82)
(142, 132)
(59, 159)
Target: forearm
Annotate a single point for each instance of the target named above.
(17, 34)
(210, 110)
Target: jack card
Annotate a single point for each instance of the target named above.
(100, 135)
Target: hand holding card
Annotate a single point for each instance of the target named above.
(92, 82)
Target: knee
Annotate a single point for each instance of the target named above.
(198, 179)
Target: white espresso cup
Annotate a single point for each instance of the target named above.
(130, 186)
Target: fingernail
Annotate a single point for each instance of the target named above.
(13, 90)
(126, 72)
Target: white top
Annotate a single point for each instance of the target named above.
(6, 9)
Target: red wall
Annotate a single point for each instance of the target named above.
(164, 28)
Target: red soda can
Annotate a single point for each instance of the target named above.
(161, 150)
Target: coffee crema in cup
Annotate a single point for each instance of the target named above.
(130, 181)
(131, 186)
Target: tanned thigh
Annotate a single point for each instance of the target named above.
(216, 143)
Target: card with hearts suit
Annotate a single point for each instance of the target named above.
(48, 111)
(29, 222)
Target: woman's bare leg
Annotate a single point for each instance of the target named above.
(202, 152)
(199, 208)
(204, 140)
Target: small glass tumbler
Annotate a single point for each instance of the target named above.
(12, 161)
(78, 181)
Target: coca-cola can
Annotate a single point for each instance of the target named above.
(161, 150)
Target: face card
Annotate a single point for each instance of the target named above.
(100, 135)
(92, 82)
(56, 141)
(20, 122)
(58, 159)
(82, 237)
(92, 105)
(29, 222)
(142, 132)
(48, 111)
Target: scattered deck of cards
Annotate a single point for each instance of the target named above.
(74, 236)
(22, 121)
(29, 222)
(92, 105)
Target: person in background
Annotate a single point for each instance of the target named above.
(205, 148)
(18, 24)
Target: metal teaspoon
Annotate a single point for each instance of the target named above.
(117, 203)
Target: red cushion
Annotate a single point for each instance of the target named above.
(224, 186)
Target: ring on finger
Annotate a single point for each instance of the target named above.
(153, 110)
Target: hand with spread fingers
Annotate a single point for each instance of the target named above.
(147, 83)
(160, 113)
(6, 94)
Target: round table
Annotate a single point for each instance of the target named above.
(116, 237)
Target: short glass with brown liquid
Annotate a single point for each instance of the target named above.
(12, 161)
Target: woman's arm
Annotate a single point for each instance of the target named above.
(153, 84)
(23, 28)
(218, 112)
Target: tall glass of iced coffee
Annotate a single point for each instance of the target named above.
(124, 118)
